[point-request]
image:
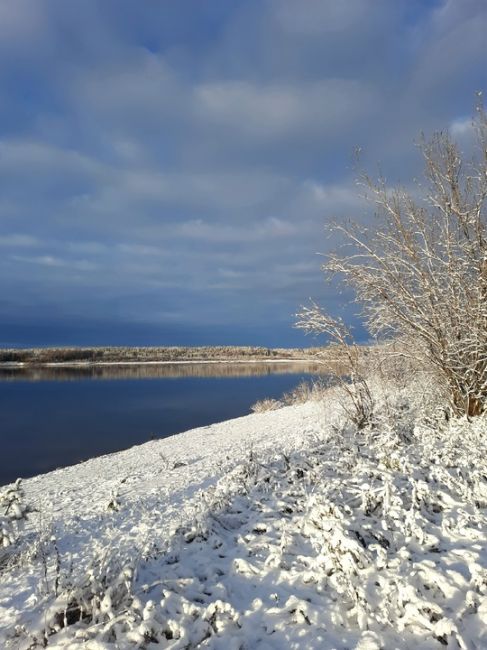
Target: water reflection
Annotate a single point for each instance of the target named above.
(153, 370)
(57, 416)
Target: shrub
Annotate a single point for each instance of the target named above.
(266, 404)
(306, 391)
(420, 272)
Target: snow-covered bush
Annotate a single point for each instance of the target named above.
(420, 273)
(7, 532)
(12, 502)
(13, 510)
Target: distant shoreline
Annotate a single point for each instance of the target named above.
(131, 356)
(86, 364)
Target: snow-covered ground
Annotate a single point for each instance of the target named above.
(285, 529)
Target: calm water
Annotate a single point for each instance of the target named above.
(56, 417)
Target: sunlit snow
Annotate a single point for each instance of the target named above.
(286, 529)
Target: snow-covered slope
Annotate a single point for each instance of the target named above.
(285, 529)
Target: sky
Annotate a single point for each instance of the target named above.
(167, 169)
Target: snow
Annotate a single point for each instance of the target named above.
(282, 529)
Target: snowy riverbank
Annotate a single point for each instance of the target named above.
(285, 529)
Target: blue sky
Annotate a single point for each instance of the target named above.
(167, 168)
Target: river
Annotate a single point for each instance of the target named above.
(57, 416)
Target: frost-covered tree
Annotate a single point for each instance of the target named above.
(420, 271)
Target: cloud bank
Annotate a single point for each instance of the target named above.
(166, 169)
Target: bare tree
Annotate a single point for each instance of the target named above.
(421, 272)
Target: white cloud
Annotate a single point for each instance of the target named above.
(270, 110)
(320, 16)
(451, 13)
(451, 52)
(50, 261)
(139, 249)
(261, 230)
(141, 91)
(219, 190)
(463, 133)
(20, 22)
(334, 195)
(18, 240)
(28, 155)
(461, 127)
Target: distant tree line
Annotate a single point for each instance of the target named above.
(144, 354)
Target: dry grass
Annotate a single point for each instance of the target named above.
(266, 404)
(305, 391)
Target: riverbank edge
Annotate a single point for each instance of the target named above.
(85, 364)
(65, 357)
